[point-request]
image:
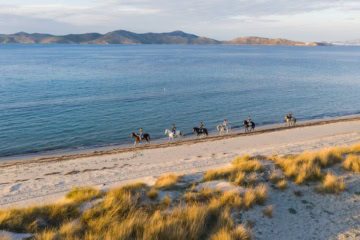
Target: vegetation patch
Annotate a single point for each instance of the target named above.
(152, 194)
(352, 163)
(83, 194)
(331, 184)
(281, 184)
(167, 181)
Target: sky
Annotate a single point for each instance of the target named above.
(303, 20)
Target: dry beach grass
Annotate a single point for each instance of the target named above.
(136, 211)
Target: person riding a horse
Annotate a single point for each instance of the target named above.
(225, 124)
(173, 129)
(290, 115)
(249, 119)
(201, 126)
(141, 134)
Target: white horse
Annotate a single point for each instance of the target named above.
(222, 129)
(290, 121)
(172, 135)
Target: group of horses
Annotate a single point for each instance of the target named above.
(248, 125)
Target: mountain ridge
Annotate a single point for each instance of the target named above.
(127, 37)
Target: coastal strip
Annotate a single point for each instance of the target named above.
(66, 157)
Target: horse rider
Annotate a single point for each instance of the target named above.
(289, 116)
(173, 129)
(201, 126)
(141, 134)
(249, 119)
(224, 124)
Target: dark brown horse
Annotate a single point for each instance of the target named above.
(138, 139)
(246, 125)
(200, 131)
(252, 126)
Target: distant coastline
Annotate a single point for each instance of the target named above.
(126, 37)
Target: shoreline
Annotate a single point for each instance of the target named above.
(161, 143)
(25, 183)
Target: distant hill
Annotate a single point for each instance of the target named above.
(268, 41)
(116, 37)
(126, 37)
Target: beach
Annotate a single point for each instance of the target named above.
(44, 180)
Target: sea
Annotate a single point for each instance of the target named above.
(60, 98)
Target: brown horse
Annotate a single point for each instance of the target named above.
(200, 131)
(290, 121)
(246, 125)
(138, 139)
(252, 126)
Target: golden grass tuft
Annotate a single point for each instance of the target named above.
(73, 229)
(301, 168)
(222, 173)
(248, 166)
(152, 194)
(281, 184)
(352, 163)
(32, 219)
(231, 199)
(236, 173)
(242, 159)
(249, 199)
(83, 194)
(355, 148)
(329, 157)
(167, 181)
(240, 233)
(166, 201)
(205, 195)
(134, 187)
(261, 194)
(47, 235)
(268, 211)
(239, 179)
(331, 184)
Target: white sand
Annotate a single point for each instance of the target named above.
(310, 216)
(35, 183)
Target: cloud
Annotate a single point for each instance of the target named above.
(221, 19)
(220, 8)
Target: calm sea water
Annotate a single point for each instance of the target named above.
(59, 97)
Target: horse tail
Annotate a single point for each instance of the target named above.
(180, 134)
(206, 132)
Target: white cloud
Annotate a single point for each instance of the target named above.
(221, 19)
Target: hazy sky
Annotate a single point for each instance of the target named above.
(307, 20)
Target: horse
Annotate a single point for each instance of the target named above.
(252, 126)
(138, 139)
(199, 132)
(290, 121)
(172, 135)
(222, 129)
(246, 125)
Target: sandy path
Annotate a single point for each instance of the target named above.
(46, 181)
